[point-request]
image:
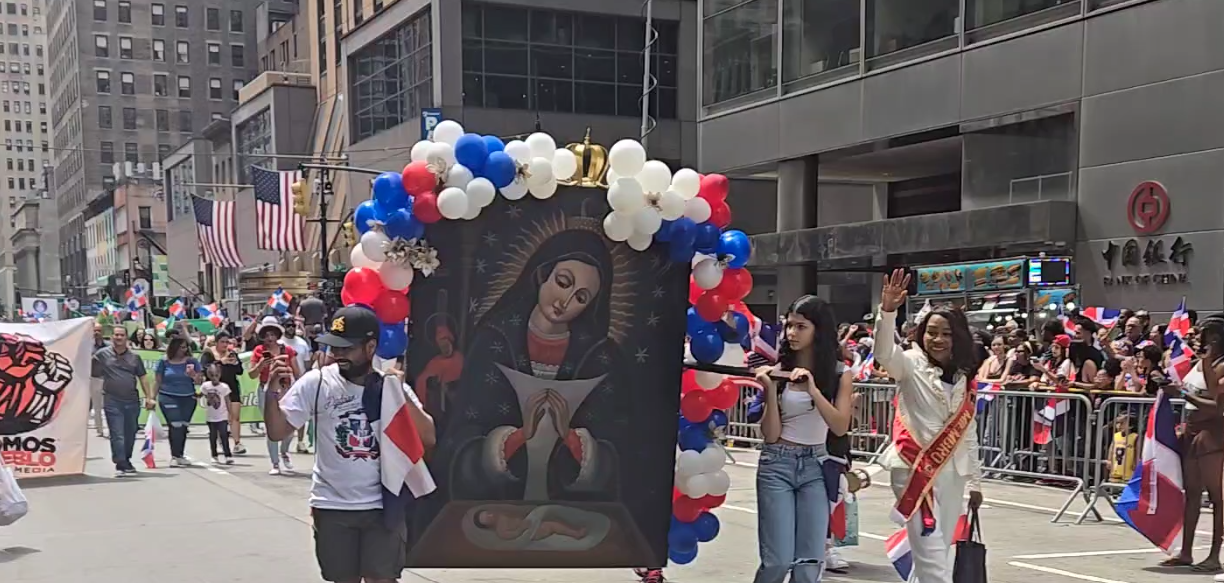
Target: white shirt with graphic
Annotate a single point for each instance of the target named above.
(216, 401)
(300, 347)
(346, 472)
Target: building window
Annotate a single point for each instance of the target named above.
(216, 115)
(184, 121)
(212, 18)
(214, 54)
(214, 88)
(180, 17)
(131, 152)
(127, 83)
(252, 144)
(101, 45)
(235, 21)
(25, 49)
(161, 85)
(184, 86)
(163, 150)
(104, 117)
(103, 81)
(393, 78)
(378, 5)
(358, 14)
(237, 55)
(107, 155)
(182, 51)
(129, 118)
(987, 13)
(740, 49)
(38, 50)
(125, 11)
(99, 12)
(1020, 162)
(159, 50)
(125, 47)
(163, 120)
(146, 217)
(157, 14)
(42, 108)
(238, 83)
(820, 41)
(903, 27)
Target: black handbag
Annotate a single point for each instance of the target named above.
(970, 555)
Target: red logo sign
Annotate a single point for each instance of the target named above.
(1148, 208)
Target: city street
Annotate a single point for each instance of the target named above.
(235, 524)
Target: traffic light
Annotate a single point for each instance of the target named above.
(301, 198)
(350, 233)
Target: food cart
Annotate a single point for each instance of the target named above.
(993, 293)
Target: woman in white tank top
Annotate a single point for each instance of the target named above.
(804, 423)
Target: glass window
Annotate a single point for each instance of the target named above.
(1021, 162)
(107, 155)
(157, 14)
(238, 83)
(235, 21)
(184, 86)
(159, 50)
(214, 54)
(182, 52)
(214, 88)
(253, 142)
(740, 52)
(127, 83)
(101, 45)
(129, 118)
(146, 217)
(212, 18)
(237, 55)
(181, 19)
(161, 85)
(125, 47)
(99, 11)
(125, 11)
(184, 121)
(103, 81)
(131, 152)
(393, 78)
(819, 37)
(901, 25)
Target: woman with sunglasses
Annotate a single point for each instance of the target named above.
(934, 420)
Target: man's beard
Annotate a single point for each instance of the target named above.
(356, 373)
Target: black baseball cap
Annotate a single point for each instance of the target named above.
(350, 326)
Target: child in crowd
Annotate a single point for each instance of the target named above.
(1121, 462)
(216, 406)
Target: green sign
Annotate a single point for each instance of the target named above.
(247, 387)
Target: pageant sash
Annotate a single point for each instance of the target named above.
(927, 462)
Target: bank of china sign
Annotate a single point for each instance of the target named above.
(1147, 260)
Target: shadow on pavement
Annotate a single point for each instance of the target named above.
(85, 479)
(865, 572)
(13, 553)
(1157, 569)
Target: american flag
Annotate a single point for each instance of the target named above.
(278, 227)
(215, 228)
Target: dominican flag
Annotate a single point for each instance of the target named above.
(1068, 325)
(865, 368)
(177, 309)
(146, 450)
(1181, 360)
(1157, 481)
(898, 548)
(167, 324)
(1043, 420)
(279, 300)
(402, 461)
(1103, 316)
(1179, 324)
(136, 298)
(211, 312)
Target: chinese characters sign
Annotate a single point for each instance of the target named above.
(1160, 261)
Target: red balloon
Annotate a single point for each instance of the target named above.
(695, 406)
(391, 307)
(711, 306)
(714, 188)
(711, 501)
(418, 178)
(694, 291)
(676, 494)
(346, 297)
(364, 285)
(736, 283)
(688, 382)
(725, 395)
(720, 214)
(425, 207)
(686, 509)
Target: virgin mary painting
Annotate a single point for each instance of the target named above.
(535, 357)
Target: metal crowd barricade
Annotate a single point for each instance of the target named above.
(871, 428)
(738, 427)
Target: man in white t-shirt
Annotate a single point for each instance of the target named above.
(352, 540)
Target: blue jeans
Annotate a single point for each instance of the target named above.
(792, 513)
(178, 412)
(122, 418)
(277, 450)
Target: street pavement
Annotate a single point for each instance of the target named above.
(236, 523)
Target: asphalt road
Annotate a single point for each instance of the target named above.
(234, 524)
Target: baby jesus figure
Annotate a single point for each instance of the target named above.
(511, 524)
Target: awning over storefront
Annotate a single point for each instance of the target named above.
(1038, 224)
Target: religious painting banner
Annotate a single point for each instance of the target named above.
(550, 359)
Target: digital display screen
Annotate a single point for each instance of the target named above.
(1049, 271)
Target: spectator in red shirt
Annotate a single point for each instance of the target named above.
(270, 350)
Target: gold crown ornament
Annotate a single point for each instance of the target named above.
(592, 164)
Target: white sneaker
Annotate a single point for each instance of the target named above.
(301, 448)
(177, 462)
(275, 471)
(216, 461)
(229, 460)
(287, 464)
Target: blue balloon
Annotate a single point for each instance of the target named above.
(706, 527)
(738, 333)
(389, 191)
(680, 558)
(392, 340)
(736, 246)
(367, 212)
(494, 144)
(401, 224)
(499, 168)
(695, 324)
(682, 537)
(663, 235)
(684, 232)
(681, 253)
(717, 419)
(694, 437)
(706, 347)
(472, 151)
(707, 238)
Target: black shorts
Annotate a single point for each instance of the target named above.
(235, 397)
(352, 544)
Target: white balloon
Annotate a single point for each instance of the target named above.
(544, 191)
(448, 132)
(565, 164)
(687, 182)
(441, 154)
(712, 459)
(707, 274)
(718, 482)
(699, 257)
(627, 157)
(647, 221)
(625, 196)
(372, 243)
(733, 355)
(671, 205)
(452, 203)
(688, 463)
(696, 486)
(515, 190)
(540, 171)
(458, 176)
(396, 276)
(358, 259)
(655, 176)
(519, 151)
(481, 192)
(542, 145)
(610, 177)
(618, 226)
(640, 241)
(709, 380)
(698, 209)
(420, 150)
(473, 210)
